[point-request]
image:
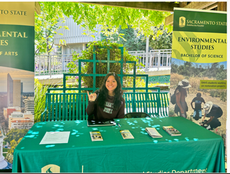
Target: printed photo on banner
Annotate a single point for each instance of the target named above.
(16, 109)
(197, 84)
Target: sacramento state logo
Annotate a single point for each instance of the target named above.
(182, 20)
(51, 168)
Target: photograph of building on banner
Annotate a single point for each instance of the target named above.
(16, 110)
(198, 82)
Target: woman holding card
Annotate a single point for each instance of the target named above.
(107, 102)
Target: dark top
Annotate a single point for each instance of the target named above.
(216, 111)
(198, 101)
(182, 103)
(107, 112)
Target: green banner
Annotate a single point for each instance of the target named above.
(198, 82)
(198, 21)
(17, 35)
(17, 46)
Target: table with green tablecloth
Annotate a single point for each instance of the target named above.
(197, 150)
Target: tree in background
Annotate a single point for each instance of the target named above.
(109, 18)
(46, 27)
(133, 41)
(128, 37)
(161, 38)
(13, 144)
(15, 134)
(213, 70)
(174, 68)
(221, 73)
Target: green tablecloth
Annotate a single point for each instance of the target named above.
(197, 150)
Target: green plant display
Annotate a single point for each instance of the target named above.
(102, 67)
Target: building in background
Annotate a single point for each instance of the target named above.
(9, 90)
(74, 38)
(17, 93)
(21, 120)
(22, 124)
(8, 111)
(29, 104)
(14, 92)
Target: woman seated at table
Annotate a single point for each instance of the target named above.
(107, 102)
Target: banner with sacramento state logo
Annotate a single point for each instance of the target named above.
(198, 81)
(16, 76)
(199, 36)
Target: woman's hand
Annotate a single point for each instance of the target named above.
(92, 97)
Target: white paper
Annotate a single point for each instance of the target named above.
(55, 137)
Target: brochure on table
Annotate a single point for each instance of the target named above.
(55, 137)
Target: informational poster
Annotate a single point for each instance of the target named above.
(16, 76)
(198, 83)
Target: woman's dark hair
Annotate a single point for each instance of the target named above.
(103, 92)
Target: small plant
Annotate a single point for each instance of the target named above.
(212, 93)
(223, 96)
(39, 99)
(215, 93)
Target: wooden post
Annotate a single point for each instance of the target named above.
(183, 4)
(222, 6)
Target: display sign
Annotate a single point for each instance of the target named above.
(198, 82)
(16, 76)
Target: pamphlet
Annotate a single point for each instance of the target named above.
(126, 134)
(55, 137)
(153, 132)
(96, 136)
(172, 131)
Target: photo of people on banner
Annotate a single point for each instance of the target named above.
(210, 110)
(206, 107)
